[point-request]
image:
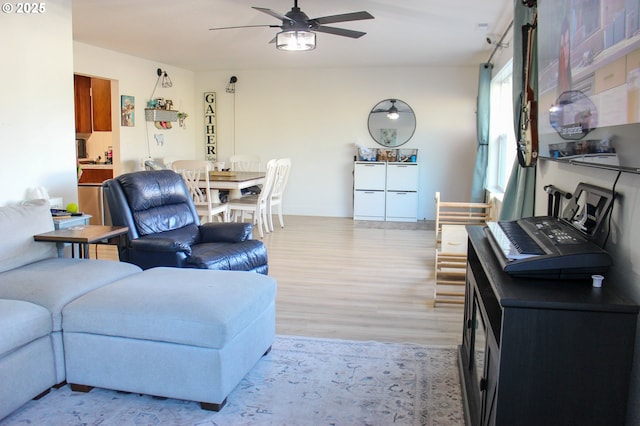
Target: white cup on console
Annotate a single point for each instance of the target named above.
(597, 280)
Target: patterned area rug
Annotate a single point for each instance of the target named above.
(302, 381)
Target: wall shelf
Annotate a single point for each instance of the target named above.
(153, 114)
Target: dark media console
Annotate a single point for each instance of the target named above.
(542, 352)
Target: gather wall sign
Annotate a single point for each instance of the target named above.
(210, 130)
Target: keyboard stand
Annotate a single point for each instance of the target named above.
(451, 266)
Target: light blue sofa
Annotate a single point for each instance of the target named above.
(78, 320)
(33, 279)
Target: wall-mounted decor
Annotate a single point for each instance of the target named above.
(391, 123)
(127, 111)
(181, 117)
(210, 130)
(388, 137)
(588, 95)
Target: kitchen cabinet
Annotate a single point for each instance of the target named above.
(542, 352)
(385, 191)
(95, 174)
(92, 97)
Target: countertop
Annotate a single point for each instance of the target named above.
(96, 166)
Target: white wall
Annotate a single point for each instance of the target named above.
(36, 113)
(313, 116)
(623, 241)
(137, 77)
(317, 116)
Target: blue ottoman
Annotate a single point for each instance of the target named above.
(189, 334)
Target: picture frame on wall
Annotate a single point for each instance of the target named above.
(388, 136)
(127, 111)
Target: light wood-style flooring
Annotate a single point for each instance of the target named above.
(346, 279)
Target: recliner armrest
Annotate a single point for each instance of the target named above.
(160, 245)
(225, 232)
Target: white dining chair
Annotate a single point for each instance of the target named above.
(257, 205)
(283, 168)
(245, 163)
(196, 175)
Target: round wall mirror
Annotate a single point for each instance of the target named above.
(392, 123)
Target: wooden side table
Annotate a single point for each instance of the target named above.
(84, 235)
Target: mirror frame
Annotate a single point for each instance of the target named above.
(377, 121)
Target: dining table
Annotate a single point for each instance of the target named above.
(234, 182)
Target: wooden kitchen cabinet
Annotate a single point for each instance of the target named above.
(92, 104)
(95, 174)
(82, 97)
(101, 104)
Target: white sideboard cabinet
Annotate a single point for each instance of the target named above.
(369, 184)
(385, 191)
(401, 204)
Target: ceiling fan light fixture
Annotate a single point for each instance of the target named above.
(296, 40)
(393, 113)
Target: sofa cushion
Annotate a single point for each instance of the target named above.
(53, 283)
(174, 305)
(21, 323)
(18, 225)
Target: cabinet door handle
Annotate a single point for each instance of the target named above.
(483, 384)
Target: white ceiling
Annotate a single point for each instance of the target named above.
(403, 33)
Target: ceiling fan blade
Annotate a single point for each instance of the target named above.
(273, 13)
(387, 110)
(354, 16)
(243, 26)
(339, 31)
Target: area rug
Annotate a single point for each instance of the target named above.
(302, 381)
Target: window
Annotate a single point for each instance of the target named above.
(502, 141)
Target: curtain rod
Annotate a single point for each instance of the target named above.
(499, 43)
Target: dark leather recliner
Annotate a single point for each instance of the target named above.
(165, 230)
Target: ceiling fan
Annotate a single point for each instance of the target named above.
(297, 28)
(392, 111)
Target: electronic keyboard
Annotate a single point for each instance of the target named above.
(545, 247)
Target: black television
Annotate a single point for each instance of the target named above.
(589, 82)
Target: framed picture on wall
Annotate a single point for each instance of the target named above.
(127, 111)
(388, 136)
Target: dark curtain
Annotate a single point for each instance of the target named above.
(519, 197)
(482, 129)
